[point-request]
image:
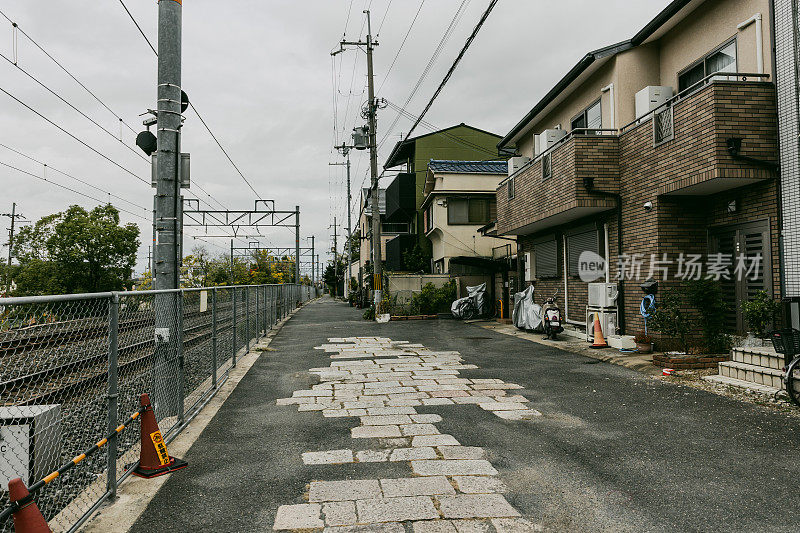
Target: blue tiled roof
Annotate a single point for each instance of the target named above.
(466, 167)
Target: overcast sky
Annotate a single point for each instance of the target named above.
(260, 72)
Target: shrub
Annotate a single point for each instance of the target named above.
(759, 313)
(642, 338)
(431, 300)
(670, 318)
(706, 297)
(369, 314)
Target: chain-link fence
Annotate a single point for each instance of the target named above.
(72, 368)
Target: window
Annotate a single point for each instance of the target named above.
(428, 218)
(722, 59)
(546, 258)
(582, 240)
(511, 189)
(590, 118)
(469, 210)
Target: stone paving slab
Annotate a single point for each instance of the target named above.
(412, 430)
(453, 467)
(334, 491)
(434, 526)
(396, 509)
(389, 527)
(300, 516)
(412, 454)
(515, 525)
(340, 513)
(369, 432)
(434, 440)
(462, 452)
(416, 486)
(476, 506)
(479, 484)
(372, 456)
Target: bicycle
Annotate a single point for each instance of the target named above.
(787, 342)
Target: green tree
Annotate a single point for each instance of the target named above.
(76, 251)
(416, 260)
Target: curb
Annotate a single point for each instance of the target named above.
(639, 363)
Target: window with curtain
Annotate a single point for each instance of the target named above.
(589, 118)
(721, 60)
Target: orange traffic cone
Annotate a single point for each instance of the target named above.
(599, 340)
(28, 519)
(154, 460)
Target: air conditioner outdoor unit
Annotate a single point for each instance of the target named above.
(650, 98)
(550, 137)
(516, 163)
(603, 295)
(608, 322)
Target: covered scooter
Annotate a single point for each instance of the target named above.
(527, 315)
(471, 306)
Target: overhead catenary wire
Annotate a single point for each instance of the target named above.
(453, 67)
(81, 141)
(402, 44)
(128, 11)
(70, 74)
(70, 176)
(72, 106)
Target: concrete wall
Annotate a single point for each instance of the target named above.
(404, 286)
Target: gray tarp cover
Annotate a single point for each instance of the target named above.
(478, 296)
(527, 315)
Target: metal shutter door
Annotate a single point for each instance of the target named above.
(576, 245)
(546, 259)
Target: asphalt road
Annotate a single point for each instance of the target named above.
(614, 451)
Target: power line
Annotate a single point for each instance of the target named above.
(224, 151)
(95, 150)
(30, 158)
(62, 67)
(31, 174)
(380, 27)
(401, 45)
(64, 100)
(138, 27)
(436, 53)
(452, 69)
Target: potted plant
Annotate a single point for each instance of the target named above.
(759, 313)
(644, 342)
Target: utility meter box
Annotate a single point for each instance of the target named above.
(185, 170)
(30, 442)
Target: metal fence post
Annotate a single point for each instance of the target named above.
(113, 392)
(214, 337)
(179, 348)
(234, 326)
(247, 331)
(258, 315)
(265, 310)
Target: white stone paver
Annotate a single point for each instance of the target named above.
(412, 454)
(300, 516)
(479, 484)
(450, 467)
(476, 506)
(416, 486)
(328, 457)
(434, 526)
(434, 440)
(373, 456)
(339, 513)
(336, 491)
(380, 383)
(396, 509)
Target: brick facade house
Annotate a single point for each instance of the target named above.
(694, 173)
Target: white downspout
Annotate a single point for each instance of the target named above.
(608, 258)
(758, 19)
(610, 89)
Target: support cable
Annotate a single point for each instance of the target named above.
(453, 67)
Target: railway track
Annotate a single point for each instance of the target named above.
(57, 383)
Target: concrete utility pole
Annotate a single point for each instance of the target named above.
(297, 245)
(335, 254)
(313, 265)
(167, 398)
(14, 216)
(372, 107)
(345, 150)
